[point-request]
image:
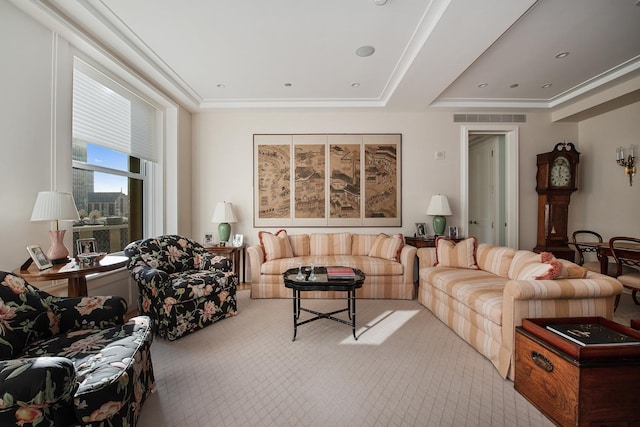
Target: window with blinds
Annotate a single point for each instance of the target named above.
(115, 138)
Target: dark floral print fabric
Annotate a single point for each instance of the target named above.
(182, 287)
(83, 366)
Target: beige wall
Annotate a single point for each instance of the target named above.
(605, 202)
(223, 160)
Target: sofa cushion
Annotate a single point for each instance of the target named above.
(387, 247)
(330, 244)
(370, 266)
(275, 246)
(572, 271)
(300, 244)
(521, 260)
(24, 316)
(361, 243)
(460, 255)
(479, 290)
(495, 259)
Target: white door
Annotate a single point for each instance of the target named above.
(483, 198)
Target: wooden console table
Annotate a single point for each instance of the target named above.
(74, 273)
(234, 253)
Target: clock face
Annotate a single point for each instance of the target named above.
(560, 172)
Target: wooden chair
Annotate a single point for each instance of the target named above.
(589, 236)
(630, 278)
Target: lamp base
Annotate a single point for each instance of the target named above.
(57, 253)
(439, 223)
(224, 231)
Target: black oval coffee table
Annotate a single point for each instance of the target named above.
(323, 283)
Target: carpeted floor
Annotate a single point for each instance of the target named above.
(406, 369)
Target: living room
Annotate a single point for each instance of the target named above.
(209, 153)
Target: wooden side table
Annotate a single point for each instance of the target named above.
(425, 242)
(74, 273)
(234, 253)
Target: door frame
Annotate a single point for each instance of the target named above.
(511, 176)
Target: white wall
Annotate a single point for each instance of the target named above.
(605, 202)
(223, 161)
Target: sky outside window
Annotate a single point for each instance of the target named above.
(105, 157)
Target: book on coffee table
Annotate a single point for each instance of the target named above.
(340, 273)
(589, 334)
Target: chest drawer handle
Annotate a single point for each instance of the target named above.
(542, 361)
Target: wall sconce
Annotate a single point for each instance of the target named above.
(627, 161)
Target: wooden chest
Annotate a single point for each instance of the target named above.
(575, 385)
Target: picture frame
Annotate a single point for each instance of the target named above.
(208, 239)
(238, 240)
(39, 258)
(327, 180)
(453, 232)
(421, 229)
(86, 246)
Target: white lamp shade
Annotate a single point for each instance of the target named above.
(223, 213)
(439, 205)
(54, 206)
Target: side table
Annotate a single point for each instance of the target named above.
(426, 241)
(75, 273)
(235, 253)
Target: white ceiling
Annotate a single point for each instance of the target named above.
(428, 53)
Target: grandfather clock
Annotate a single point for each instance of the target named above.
(557, 178)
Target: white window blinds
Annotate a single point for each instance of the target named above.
(107, 114)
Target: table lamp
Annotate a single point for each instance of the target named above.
(224, 215)
(439, 207)
(55, 206)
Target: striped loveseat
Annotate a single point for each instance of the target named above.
(482, 292)
(388, 264)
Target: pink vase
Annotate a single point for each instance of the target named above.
(57, 252)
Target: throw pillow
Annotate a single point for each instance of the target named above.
(459, 255)
(387, 247)
(563, 269)
(275, 246)
(548, 268)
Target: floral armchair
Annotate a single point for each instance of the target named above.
(182, 287)
(70, 361)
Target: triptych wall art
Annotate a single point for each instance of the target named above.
(309, 180)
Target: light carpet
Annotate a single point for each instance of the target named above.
(406, 369)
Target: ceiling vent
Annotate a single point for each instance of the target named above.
(489, 118)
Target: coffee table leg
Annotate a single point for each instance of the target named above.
(296, 312)
(352, 304)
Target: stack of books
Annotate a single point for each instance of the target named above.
(340, 273)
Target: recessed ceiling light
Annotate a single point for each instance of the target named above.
(562, 55)
(514, 85)
(483, 85)
(288, 85)
(365, 51)
(221, 86)
(546, 85)
(380, 2)
(356, 84)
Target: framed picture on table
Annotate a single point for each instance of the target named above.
(421, 229)
(453, 232)
(238, 240)
(39, 257)
(86, 246)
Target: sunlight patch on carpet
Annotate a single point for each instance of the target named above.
(382, 327)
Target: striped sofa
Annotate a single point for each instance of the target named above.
(388, 264)
(484, 304)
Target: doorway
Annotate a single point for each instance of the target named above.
(489, 183)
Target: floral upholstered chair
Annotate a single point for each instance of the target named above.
(70, 361)
(182, 287)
